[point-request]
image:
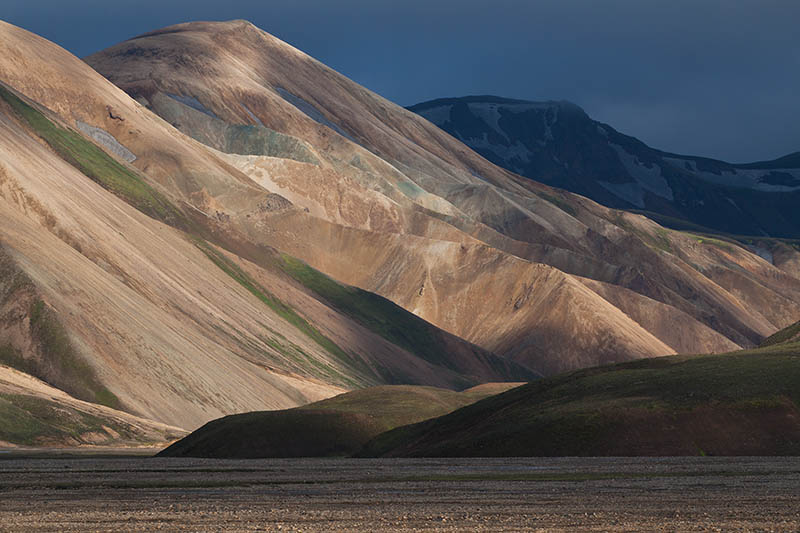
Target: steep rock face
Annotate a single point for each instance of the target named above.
(557, 143)
(119, 254)
(388, 202)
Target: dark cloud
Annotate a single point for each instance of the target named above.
(707, 77)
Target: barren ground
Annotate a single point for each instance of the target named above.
(91, 493)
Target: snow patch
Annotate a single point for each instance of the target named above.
(741, 177)
(105, 139)
(516, 151)
(649, 178)
(490, 115)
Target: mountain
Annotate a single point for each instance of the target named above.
(234, 227)
(742, 403)
(115, 288)
(383, 200)
(338, 426)
(557, 143)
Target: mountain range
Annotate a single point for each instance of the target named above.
(557, 143)
(204, 220)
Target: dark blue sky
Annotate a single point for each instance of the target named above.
(718, 78)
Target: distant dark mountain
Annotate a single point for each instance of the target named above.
(557, 143)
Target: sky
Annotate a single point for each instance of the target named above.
(716, 78)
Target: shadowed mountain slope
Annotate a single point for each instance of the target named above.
(381, 199)
(557, 143)
(334, 427)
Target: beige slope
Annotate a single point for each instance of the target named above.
(242, 75)
(168, 332)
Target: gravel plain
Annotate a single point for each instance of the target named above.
(120, 494)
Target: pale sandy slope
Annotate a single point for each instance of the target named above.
(156, 318)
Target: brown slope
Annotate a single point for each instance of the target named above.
(243, 76)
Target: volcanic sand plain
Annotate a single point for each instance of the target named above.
(93, 493)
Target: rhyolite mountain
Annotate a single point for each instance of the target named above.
(204, 220)
(557, 143)
(381, 199)
(117, 289)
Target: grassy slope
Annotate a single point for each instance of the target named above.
(741, 403)
(359, 373)
(29, 421)
(788, 334)
(334, 427)
(52, 356)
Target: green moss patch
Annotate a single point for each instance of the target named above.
(785, 335)
(97, 164)
(28, 421)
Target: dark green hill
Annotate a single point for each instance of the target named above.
(335, 427)
(742, 403)
(786, 335)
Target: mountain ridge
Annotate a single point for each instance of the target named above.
(576, 152)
